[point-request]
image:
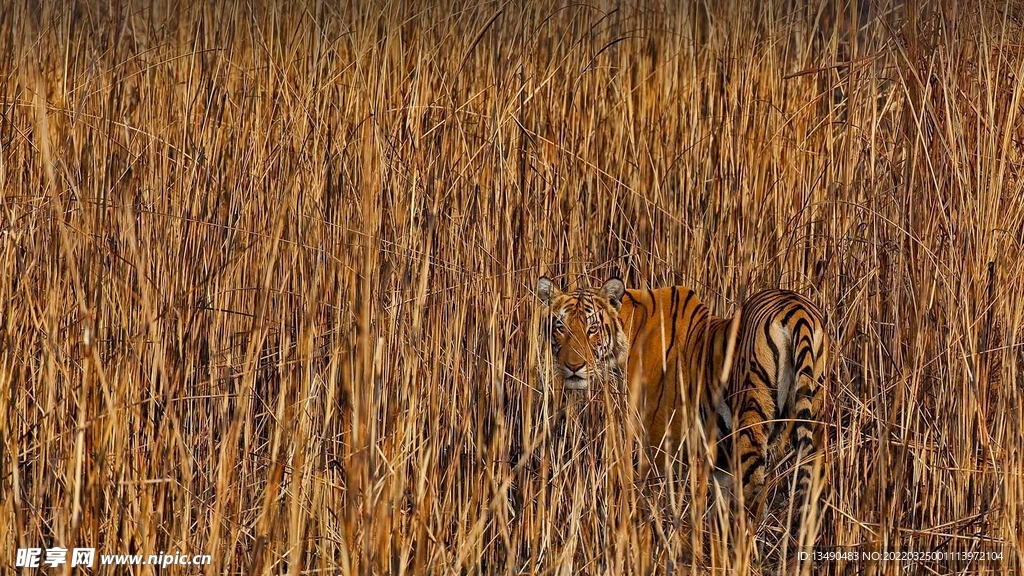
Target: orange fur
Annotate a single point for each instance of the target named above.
(669, 344)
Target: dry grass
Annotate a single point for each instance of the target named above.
(269, 272)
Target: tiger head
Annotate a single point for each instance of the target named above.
(584, 331)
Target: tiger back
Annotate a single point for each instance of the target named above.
(666, 342)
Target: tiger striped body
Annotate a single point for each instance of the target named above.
(666, 342)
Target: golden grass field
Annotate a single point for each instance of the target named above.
(269, 272)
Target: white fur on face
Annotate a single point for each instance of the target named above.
(575, 380)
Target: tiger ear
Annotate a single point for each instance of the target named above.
(546, 289)
(613, 290)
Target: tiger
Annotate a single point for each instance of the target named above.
(758, 373)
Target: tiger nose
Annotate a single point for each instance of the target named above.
(574, 367)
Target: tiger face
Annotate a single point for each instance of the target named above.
(584, 331)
